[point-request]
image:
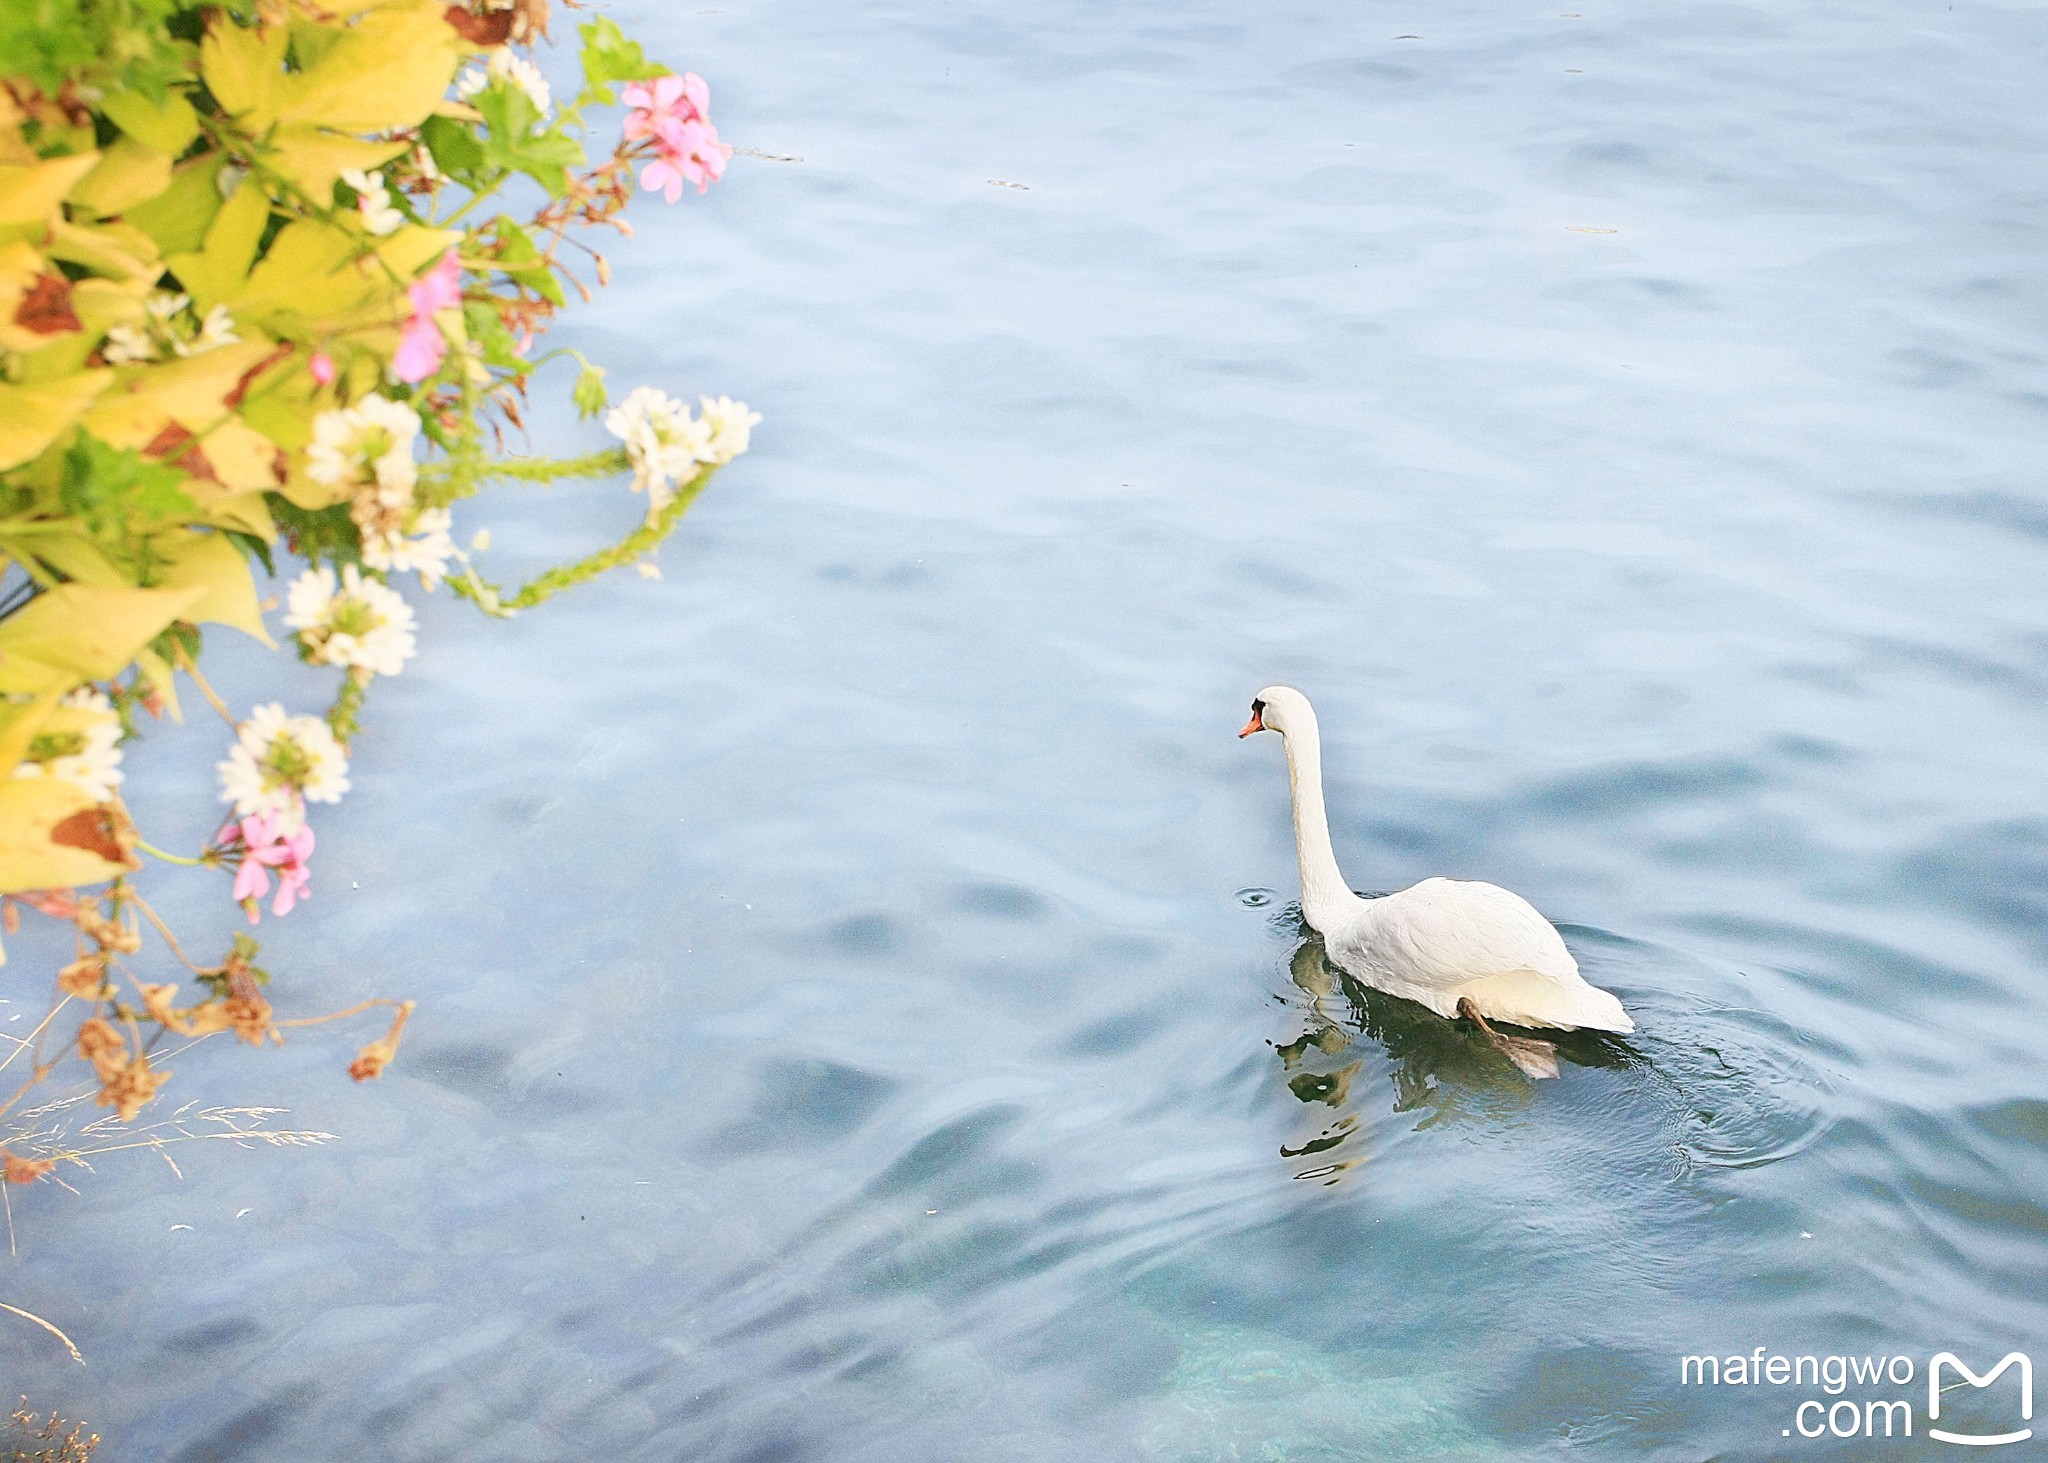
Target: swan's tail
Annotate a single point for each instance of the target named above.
(1525, 998)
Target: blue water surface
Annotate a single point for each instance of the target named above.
(861, 1017)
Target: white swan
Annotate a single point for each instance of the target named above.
(1459, 948)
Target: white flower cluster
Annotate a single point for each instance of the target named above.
(506, 68)
(352, 622)
(81, 744)
(666, 444)
(373, 201)
(368, 448)
(277, 760)
(169, 329)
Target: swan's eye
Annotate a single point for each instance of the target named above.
(1258, 708)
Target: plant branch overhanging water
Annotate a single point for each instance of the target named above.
(268, 302)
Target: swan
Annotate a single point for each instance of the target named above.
(1461, 948)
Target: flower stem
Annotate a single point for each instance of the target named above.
(170, 858)
(342, 716)
(649, 535)
(552, 469)
(186, 664)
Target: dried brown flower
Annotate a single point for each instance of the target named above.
(109, 934)
(129, 1087)
(17, 1170)
(250, 1016)
(156, 999)
(98, 1042)
(372, 1059)
(85, 977)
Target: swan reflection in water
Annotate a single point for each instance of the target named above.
(1446, 1071)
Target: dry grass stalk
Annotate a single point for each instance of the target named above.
(72, 1446)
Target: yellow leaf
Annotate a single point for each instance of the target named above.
(415, 246)
(217, 271)
(281, 405)
(244, 69)
(20, 723)
(34, 813)
(14, 148)
(127, 173)
(83, 632)
(29, 196)
(192, 392)
(211, 564)
(74, 556)
(387, 71)
(168, 126)
(112, 249)
(243, 458)
(244, 512)
(302, 492)
(31, 417)
(177, 218)
(310, 271)
(313, 158)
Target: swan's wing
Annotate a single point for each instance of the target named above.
(1445, 939)
(1444, 933)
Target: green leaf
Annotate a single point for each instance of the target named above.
(121, 492)
(315, 534)
(514, 146)
(500, 347)
(608, 56)
(254, 547)
(589, 393)
(454, 148)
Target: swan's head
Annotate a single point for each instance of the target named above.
(1280, 709)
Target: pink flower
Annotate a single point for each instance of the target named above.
(694, 153)
(675, 115)
(671, 101)
(420, 345)
(322, 367)
(266, 845)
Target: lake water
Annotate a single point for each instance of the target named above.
(861, 1016)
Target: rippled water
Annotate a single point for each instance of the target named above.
(862, 1016)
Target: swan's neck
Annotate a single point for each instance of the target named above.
(1325, 897)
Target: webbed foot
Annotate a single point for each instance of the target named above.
(1537, 1059)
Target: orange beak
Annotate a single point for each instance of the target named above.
(1251, 726)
